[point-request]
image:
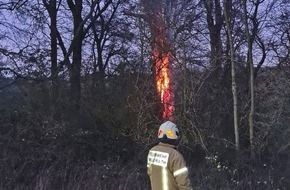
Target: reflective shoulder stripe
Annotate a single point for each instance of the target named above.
(180, 171)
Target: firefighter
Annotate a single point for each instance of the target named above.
(166, 167)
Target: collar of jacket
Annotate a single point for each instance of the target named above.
(168, 145)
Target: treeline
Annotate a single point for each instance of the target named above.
(79, 108)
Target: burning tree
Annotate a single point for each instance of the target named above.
(161, 55)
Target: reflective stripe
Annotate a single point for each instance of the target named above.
(164, 179)
(180, 171)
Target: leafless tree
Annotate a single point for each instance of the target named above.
(227, 13)
(215, 22)
(52, 9)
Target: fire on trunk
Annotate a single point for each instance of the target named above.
(162, 66)
(163, 82)
(161, 54)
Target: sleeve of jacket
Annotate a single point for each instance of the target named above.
(180, 173)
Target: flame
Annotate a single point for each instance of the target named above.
(163, 82)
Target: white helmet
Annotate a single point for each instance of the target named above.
(168, 130)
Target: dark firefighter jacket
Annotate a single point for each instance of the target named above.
(167, 169)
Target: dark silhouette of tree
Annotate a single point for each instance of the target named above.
(215, 22)
(52, 9)
(78, 31)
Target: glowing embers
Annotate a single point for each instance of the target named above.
(163, 82)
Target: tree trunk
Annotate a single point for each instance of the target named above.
(75, 75)
(161, 49)
(215, 23)
(251, 77)
(52, 11)
(227, 12)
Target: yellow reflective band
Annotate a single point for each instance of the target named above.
(164, 179)
(180, 171)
